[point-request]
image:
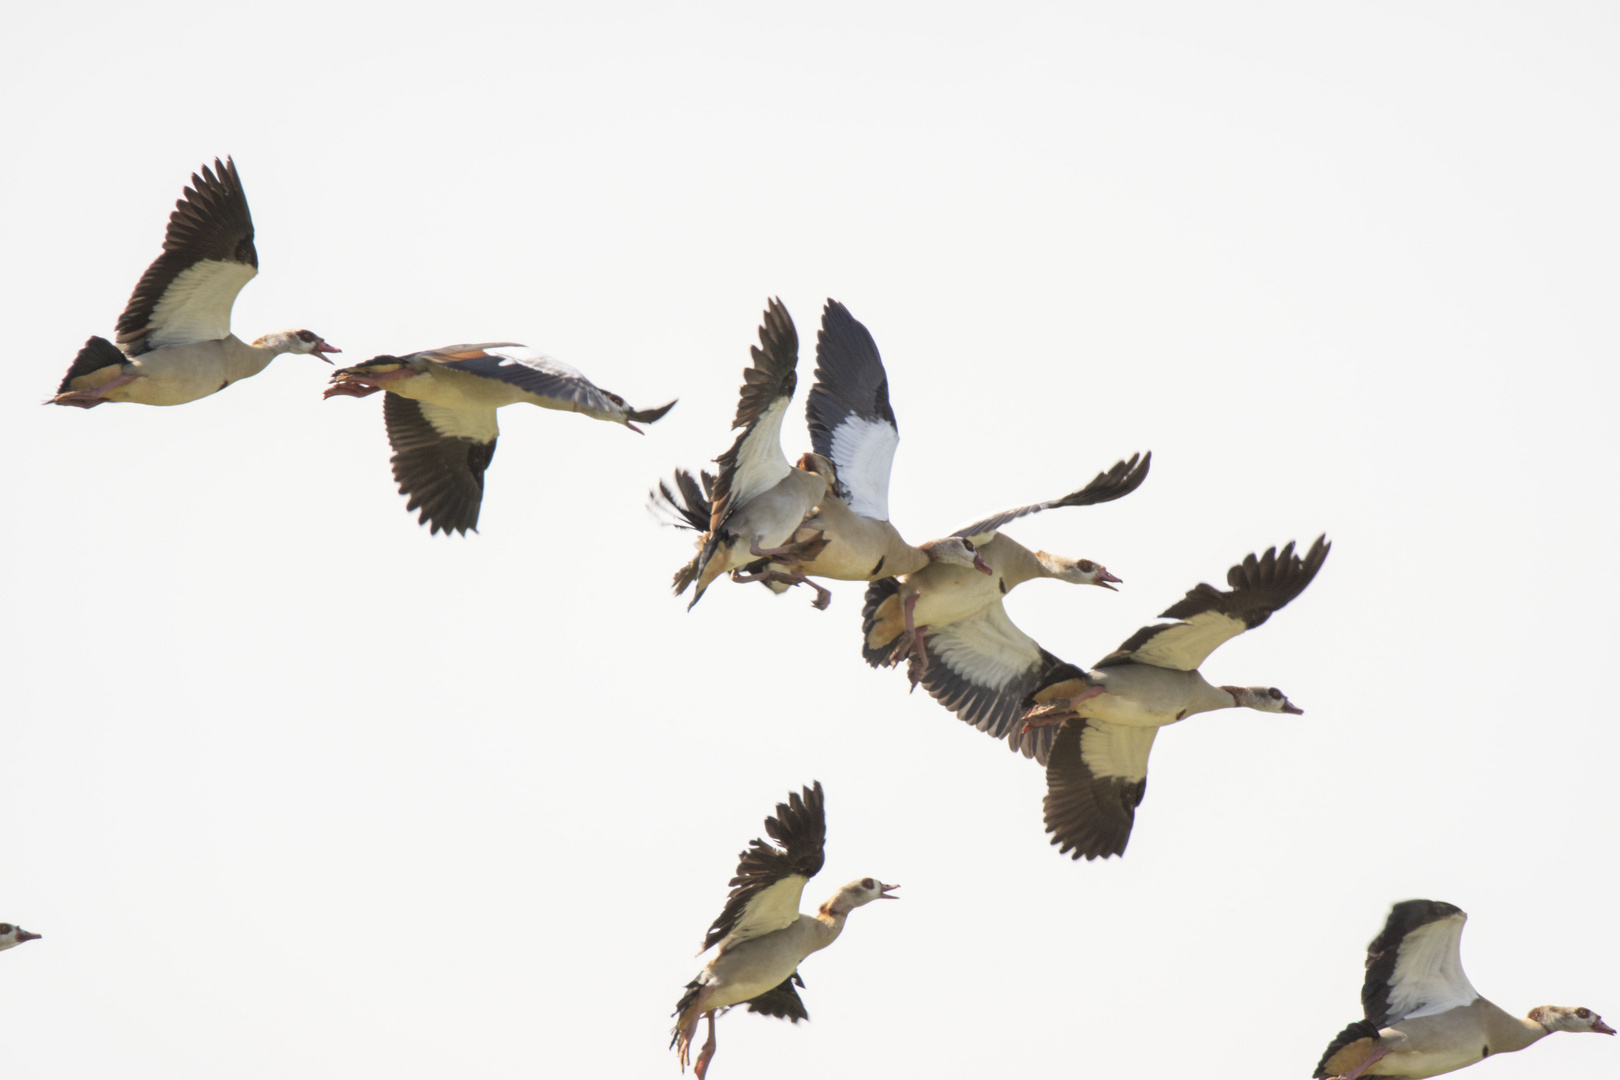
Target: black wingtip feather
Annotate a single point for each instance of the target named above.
(1090, 817)
(799, 828)
(876, 592)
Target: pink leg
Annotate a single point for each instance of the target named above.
(707, 1053)
(350, 389)
(1376, 1056)
(361, 383)
(89, 399)
(783, 554)
(1055, 712)
(823, 597)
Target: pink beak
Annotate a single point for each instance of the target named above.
(1104, 577)
(885, 889)
(321, 348)
(1598, 1026)
(1290, 707)
(23, 935)
(978, 564)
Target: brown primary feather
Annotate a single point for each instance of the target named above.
(1348, 1049)
(772, 376)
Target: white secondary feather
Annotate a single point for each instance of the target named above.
(1428, 975)
(476, 424)
(760, 462)
(987, 649)
(863, 450)
(774, 908)
(197, 304)
(1184, 646)
(1116, 751)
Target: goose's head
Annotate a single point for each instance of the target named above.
(823, 467)
(297, 341)
(1076, 571)
(11, 935)
(1263, 698)
(955, 551)
(858, 893)
(1569, 1018)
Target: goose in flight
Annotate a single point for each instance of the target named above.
(12, 935)
(1096, 766)
(1421, 1015)
(760, 937)
(900, 614)
(750, 510)
(174, 340)
(440, 415)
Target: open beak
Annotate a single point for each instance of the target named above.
(1290, 707)
(23, 935)
(978, 564)
(884, 895)
(322, 348)
(1104, 577)
(1598, 1026)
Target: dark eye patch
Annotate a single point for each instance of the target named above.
(1087, 566)
(305, 335)
(1583, 1013)
(6, 928)
(866, 883)
(1276, 693)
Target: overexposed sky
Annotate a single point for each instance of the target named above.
(293, 788)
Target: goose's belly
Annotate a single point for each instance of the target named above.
(752, 967)
(1421, 1063)
(947, 593)
(176, 374)
(1140, 696)
(458, 390)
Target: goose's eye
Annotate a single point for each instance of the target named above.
(1583, 1013)
(305, 335)
(6, 928)
(866, 883)
(1087, 566)
(1275, 693)
(968, 544)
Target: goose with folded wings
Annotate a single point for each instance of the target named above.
(440, 415)
(750, 510)
(1421, 1015)
(174, 340)
(760, 937)
(1096, 766)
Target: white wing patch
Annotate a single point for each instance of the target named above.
(863, 450)
(476, 424)
(1428, 976)
(987, 649)
(760, 462)
(1184, 646)
(197, 304)
(774, 908)
(1114, 751)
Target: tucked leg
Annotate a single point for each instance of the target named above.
(89, 399)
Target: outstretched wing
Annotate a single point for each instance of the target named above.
(770, 878)
(755, 462)
(1210, 617)
(848, 410)
(1095, 777)
(781, 1001)
(982, 668)
(188, 291)
(558, 384)
(440, 455)
(1119, 481)
(1414, 966)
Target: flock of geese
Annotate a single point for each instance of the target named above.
(935, 607)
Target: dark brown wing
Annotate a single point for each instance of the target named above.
(770, 878)
(208, 255)
(782, 1001)
(442, 474)
(1118, 482)
(1096, 775)
(851, 423)
(1260, 585)
(1348, 1049)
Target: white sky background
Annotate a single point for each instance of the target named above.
(294, 789)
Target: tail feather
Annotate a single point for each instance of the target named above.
(684, 1024)
(98, 353)
(648, 416)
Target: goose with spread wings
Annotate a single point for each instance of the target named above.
(1096, 765)
(1421, 1015)
(749, 511)
(440, 415)
(174, 340)
(760, 937)
(901, 611)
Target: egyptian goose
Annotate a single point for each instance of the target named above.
(903, 616)
(1422, 1016)
(761, 937)
(1096, 767)
(174, 339)
(440, 414)
(756, 500)
(12, 936)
